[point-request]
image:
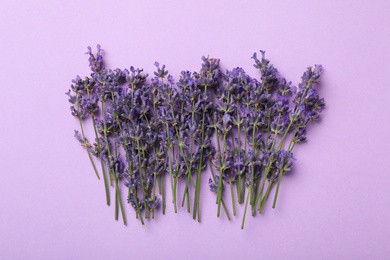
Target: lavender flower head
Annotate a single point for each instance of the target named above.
(95, 62)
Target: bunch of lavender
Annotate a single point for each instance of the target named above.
(145, 146)
(230, 119)
(207, 79)
(262, 114)
(166, 127)
(186, 115)
(306, 106)
(124, 124)
(286, 117)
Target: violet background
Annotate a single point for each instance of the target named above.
(334, 205)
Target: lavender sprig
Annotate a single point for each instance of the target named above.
(208, 78)
(79, 113)
(96, 64)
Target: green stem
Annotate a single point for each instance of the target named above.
(116, 204)
(243, 188)
(256, 190)
(246, 207)
(223, 203)
(159, 185)
(233, 204)
(119, 198)
(292, 144)
(186, 195)
(197, 193)
(262, 202)
(284, 136)
(163, 194)
(277, 189)
(174, 193)
(265, 175)
(226, 211)
(238, 186)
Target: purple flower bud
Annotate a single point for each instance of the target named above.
(95, 63)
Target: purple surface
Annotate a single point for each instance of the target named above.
(334, 205)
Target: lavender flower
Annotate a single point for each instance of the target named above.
(213, 186)
(95, 62)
